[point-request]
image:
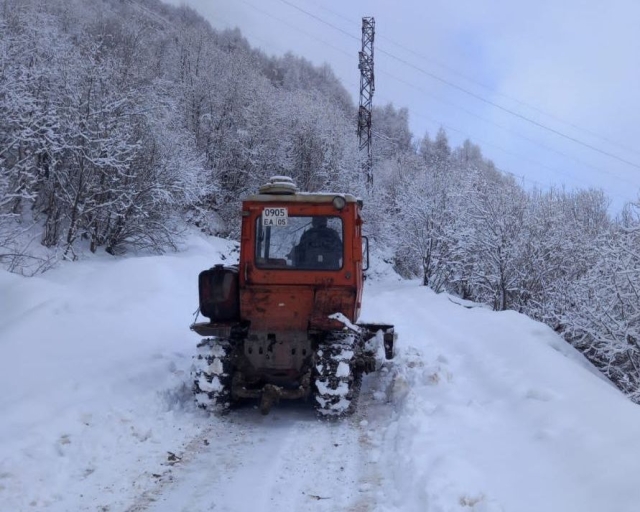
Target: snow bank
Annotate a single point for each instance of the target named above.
(93, 363)
(494, 412)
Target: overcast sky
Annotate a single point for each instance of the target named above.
(533, 83)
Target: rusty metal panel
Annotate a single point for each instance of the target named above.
(277, 308)
(328, 301)
(280, 352)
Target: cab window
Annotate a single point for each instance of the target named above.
(304, 242)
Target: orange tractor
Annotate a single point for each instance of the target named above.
(283, 322)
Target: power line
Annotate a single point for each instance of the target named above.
(544, 146)
(471, 93)
(296, 28)
(536, 163)
(516, 100)
(439, 123)
(517, 134)
(473, 138)
(522, 157)
(318, 18)
(509, 111)
(469, 112)
(489, 88)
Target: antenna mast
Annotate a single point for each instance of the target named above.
(367, 88)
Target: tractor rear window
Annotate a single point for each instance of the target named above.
(312, 243)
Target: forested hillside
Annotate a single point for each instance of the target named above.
(123, 121)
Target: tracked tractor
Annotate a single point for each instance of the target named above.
(283, 322)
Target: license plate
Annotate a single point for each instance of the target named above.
(275, 217)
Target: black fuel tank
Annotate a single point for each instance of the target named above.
(219, 294)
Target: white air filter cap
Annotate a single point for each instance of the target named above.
(279, 185)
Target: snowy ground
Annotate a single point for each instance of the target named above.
(481, 411)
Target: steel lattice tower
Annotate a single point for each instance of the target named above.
(367, 88)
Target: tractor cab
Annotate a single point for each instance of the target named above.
(307, 245)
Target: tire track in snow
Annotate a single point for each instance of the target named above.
(289, 460)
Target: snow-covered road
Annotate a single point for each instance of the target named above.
(480, 411)
(285, 461)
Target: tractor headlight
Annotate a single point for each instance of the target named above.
(339, 202)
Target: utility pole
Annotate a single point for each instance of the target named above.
(367, 88)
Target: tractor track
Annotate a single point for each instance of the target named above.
(246, 461)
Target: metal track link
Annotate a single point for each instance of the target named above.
(337, 377)
(211, 373)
